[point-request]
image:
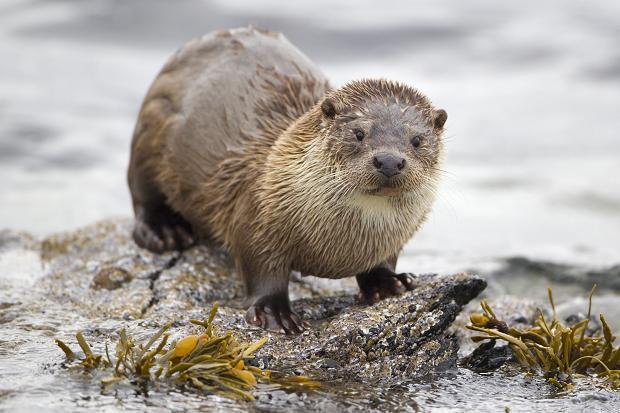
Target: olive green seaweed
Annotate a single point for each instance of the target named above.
(557, 351)
(209, 362)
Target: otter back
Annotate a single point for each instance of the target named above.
(214, 99)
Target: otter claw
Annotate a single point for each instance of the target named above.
(381, 283)
(407, 280)
(275, 316)
(162, 231)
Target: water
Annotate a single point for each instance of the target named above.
(532, 90)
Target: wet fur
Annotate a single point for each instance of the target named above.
(280, 197)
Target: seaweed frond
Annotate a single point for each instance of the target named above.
(210, 362)
(554, 349)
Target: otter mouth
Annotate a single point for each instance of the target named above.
(385, 191)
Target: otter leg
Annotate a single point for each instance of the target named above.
(160, 229)
(382, 282)
(157, 227)
(268, 302)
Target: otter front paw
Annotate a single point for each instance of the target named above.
(380, 283)
(273, 313)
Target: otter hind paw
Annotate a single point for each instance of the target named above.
(381, 283)
(162, 232)
(274, 313)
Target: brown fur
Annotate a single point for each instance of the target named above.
(276, 186)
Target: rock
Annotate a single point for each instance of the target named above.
(97, 280)
(576, 309)
(608, 278)
(110, 278)
(369, 358)
(14, 240)
(328, 363)
(488, 357)
(399, 337)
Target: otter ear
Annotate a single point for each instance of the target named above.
(439, 118)
(328, 107)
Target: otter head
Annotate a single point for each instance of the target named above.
(385, 137)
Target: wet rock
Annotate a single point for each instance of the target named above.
(198, 278)
(399, 337)
(576, 309)
(608, 278)
(97, 280)
(12, 240)
(403, 336)
(487, 357)
(328, 363)
(370, 357)
(72, 260)
(110, 278)
(594, 325)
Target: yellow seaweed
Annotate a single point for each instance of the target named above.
(209, 362)
(554, 349)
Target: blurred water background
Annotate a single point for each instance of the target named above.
(532, 90)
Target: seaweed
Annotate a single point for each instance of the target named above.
(210, 362)
(555, 350)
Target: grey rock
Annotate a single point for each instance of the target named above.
(488, 357)
(98, 271)
(369, 358)
(98, 281)
(110, 278)
(607, 278)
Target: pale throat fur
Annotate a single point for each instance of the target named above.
(306, 213)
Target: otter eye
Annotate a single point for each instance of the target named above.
(416, 141)
(359, 134)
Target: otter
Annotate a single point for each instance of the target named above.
(241, 140)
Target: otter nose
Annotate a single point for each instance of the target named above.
(388, 164)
